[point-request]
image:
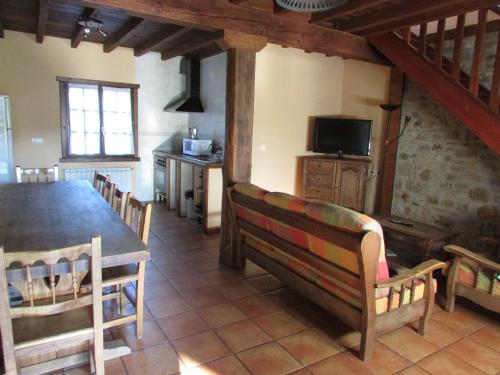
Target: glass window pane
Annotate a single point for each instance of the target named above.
(91, 99)
(108, 99)
(123, 101)
(92, 122)
(76, 121)
(92, 141)
(75, 96)
(77, 143)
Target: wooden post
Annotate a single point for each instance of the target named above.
(240, 89)
(390, 151)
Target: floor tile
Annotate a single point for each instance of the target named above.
(383, 360)
(160, 359)
(408, 343)
(191, 255)
(445, 363)
(413, 370)
(439, 334)
(478, 355)
(243, 335)
(151, 335)
(204, 297)
(182, 325)
(161, 288)
(286, 297)
(488, 336)
(176, 270)
(460, 321)
(308, 347)
(165, 306)
(341, 364)
(339, 334)
(166, 259)
(269, 359)
(188, 283)
(152, 275)
(265, 283)
(205, 265)
(221, 276)
(256, 305)
(201, 348)
(225, 366)
(236, 290)
(279, 324)
(302, 371)
(221, 315)
(311, 314)
(252, 270)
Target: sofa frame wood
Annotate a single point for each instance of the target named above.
(367, 247)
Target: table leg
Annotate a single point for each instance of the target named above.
(139, 301)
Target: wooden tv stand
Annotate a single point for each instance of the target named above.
(338, 181)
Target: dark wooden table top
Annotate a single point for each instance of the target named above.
(415, 229)
(65, 213)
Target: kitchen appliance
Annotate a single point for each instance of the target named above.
(6, 168)
(160, 177)
(189, 100)
(196, 147)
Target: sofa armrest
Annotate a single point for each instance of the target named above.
(422, 269)
(462, 252)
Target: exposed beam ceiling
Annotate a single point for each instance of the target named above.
(168, 33)
(346, 10)
(43, 15)
(123, 34)
(195, 44)
(411, 12)
(79, 33)
(220, 14)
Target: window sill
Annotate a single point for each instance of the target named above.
(86, 159)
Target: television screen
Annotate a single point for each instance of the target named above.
(342, 136)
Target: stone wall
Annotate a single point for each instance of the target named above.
(445, 175)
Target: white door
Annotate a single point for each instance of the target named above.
(6, 168)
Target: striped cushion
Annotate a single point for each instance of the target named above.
(381, 304)
(288, 233)
(251, 190)
(466, 275)
(286, 201)
(251, 216)
(346, 219)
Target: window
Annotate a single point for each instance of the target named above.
(98, 120)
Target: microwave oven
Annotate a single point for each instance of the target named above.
(196, 147)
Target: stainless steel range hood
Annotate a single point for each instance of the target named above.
(190, 99)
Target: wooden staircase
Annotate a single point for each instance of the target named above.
(461, 93)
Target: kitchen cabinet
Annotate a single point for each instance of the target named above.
(338, 181)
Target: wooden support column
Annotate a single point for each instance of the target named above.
(390, 151)
(240, 89)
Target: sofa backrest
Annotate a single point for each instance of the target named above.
(332, 233)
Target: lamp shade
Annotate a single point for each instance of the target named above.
(310, 5)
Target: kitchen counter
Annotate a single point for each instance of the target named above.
(202, 161)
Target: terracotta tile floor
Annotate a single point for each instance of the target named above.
(204, 319)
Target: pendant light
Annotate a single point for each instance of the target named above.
(311, 5)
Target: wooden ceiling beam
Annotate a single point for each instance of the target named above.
(220, 14)
(2, 34)
(43, 16)
(169, 32)
(122, 35)
(79, 34)
(237, 40)
(409, 13)
(495, 9)
(471, 30)
(346, 10)
(195, 44)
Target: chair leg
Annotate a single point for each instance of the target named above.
(139, 299)
(367, 343)
(429, 304)
(450, 285)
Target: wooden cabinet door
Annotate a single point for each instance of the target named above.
(349, 185)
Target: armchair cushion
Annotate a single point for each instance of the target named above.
(466, 275)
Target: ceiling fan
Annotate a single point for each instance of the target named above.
(92, 24)
(311, 5)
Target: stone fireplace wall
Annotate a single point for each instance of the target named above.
(445, 175)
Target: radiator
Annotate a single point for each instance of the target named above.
(122, 177)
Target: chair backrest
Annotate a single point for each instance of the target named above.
(138, 217)
(109, 192)
(100, 182)
(37, 175)
(120, 201)
(49, 282)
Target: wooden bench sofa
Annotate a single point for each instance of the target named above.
(333, 256)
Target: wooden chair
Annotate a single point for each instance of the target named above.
(53, 315)
(137, 216)
(100, 182)
(37, 175)
(109, 192)
(120, 202)
(475, 275)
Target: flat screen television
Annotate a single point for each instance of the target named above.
(342, 136)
